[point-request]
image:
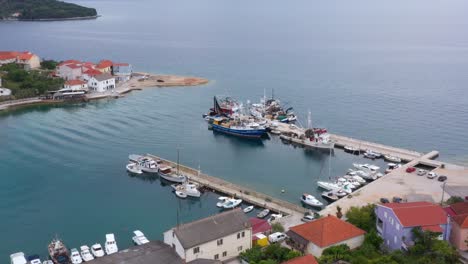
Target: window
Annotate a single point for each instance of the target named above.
(196, 250)
(397, 227)
(216, 256)
(385, 214)
(219, 242)
(224, 253)
(238, 235)
(394, 239)
(239, 248)
(243, 234)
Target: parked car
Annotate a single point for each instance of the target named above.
(431, 175)
(410, 169)
(277, 237)
(442, 178)
(384, 200)
(421, 172)
(307, 218)
(397, 199)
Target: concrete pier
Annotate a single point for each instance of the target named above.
(230, 189)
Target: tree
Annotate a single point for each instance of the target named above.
(293, 254)
(335, 253)
(362, 217)
(277, 227)
(49, 64)
(454, 199)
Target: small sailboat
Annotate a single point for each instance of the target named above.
(248, 209)
(134, 168)
(311, 200)
(166, 173)
(263, 213)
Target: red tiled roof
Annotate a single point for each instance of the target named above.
(104, 64)
(259, 225)
(307, 259)
(460, 208)
(92, 72)
(450, 211)
(73, 66)
(327, 231)
(8, 55)
(418, 213)
(69, 62)
(433, 228)
(25, 55)
(74, 82)
(461, 220)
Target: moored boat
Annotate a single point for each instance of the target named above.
(391, 158)
(189, 188)
(18, 258)
(263, 213)
(146, 164)
(86, 253)
(330, 196)
(221, 201)
(111, 245)
(391, 167)
(232, 203)
(248, 209)
(329, 186)
(311, 200)
(351, 149)
(58, 252)
(238, 128)
(376, 154)
(366, 168)
(166, 173)
(134, 168)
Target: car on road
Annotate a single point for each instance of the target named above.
(421, 172)
(442, 178)
(410, 169)
(384, 200)
(307, 218)
(397, 199)
(431, 175)
(276, 237)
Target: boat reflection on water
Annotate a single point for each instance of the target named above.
(237, 141)
(147, 177)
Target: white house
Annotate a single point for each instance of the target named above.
(220, 237)
(69, 70)
(101, 83)
(75, 85)
(122, 71)
(315, 236)
(25, 58)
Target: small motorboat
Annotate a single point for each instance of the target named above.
(274, 217)
(329, 186)
(85, 253)
(356, 178)
(248, 209)
(18, 258)
(311, 200)
(347, 188)
(146, 164)
(189, 188)
(369, 156)
(351, 149)
(391, 158)
(75, 256)
(48, 262)
(34, 259)
(377, 155)
(232, 203)
(366, 167)
(340, 193)
(111, 245)
(330, 196)
(97, 251)
(391, 167)
(263, 213)
(58, 252)
(222, 200)
(139, 238)
(180, 194)
(134, 168)
(275, 132)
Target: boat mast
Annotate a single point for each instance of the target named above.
(178, 161)
(309, 119)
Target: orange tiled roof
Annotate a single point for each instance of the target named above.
(104, 64)
(8, 55)
(461, 220)
(327, 231)
(74, 82)
(307, 259)
(418, 213)
(460, 208)
(69, 62)
(92, 72)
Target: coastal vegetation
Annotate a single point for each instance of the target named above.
(43, 9)
(25, 84)
(272, 254)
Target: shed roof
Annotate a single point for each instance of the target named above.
(211, 228)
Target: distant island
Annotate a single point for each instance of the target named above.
(43, 10)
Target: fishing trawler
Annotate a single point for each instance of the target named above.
(58, 252)
(238, 128)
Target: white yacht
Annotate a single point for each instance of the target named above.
(376, 154)
(97, 251)
(367, 168)
(18, 258)
(134, 168)
(232, 203)
(139, 238)
(311, 200)
(146, 164)
(355, 177)
(188, 188)
(111, 245)
(222, 200)
(75, 256)
(329, 186)
(85, 253)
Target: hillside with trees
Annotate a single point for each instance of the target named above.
(43, 10)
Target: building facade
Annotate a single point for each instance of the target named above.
(69, 71)
(122, 71)
(220, 237)
(459, 225)
(101, 83)
(75, 85)
(395, 222)
(26, 59)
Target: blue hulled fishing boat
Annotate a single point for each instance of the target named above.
(238, 128)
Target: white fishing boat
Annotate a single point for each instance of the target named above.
(166, 173)
(85, 253)
(134, 168)
(111, 245)
(391, 158)
(75, 256)
(263, 213)
(97, 251)
(146, 164)
(366, 168)
(248, 209)
(191, 189)
(311, 200)
(232, 203)
(18, 258)
(329, 186)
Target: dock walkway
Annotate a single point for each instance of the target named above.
(231, 189)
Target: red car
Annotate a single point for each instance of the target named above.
(411, 169)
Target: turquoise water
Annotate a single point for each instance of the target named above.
(391, 73)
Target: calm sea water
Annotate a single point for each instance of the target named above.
(394, 73)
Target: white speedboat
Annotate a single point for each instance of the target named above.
(391, 158)
(340, 193)
(134, 168)
(18, 258)
(85, 253)
(376, 154)
(146, 164)
(232, 203)
(347, 188)
(263, 213)
(139, 238)
(222, 200)
(391, 167)
(369, 156)
(189, 188)
(75, 256)
(329, 186)
(274, 217)
(311, 200)
(366, 168)
(180, 193)
(111, 245)
(356, 178)
(248, 209)
(354, 184)
(166, 173)
(97, 251)
(330, 195)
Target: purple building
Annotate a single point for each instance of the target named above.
(395, 222)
